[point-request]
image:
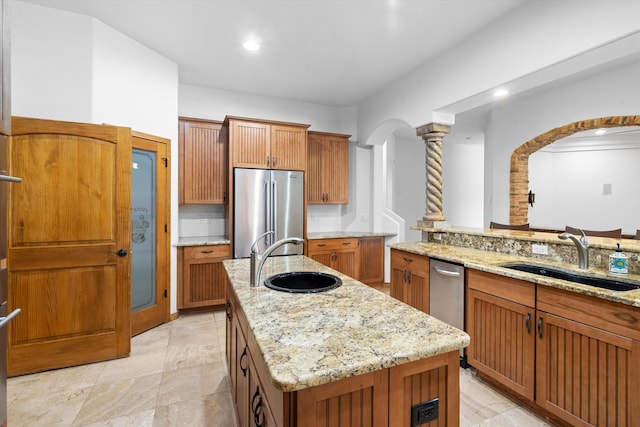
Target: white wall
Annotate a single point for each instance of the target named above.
(576, 192)
(51, 67)
(409, 177)
(463, 183)
(529, 38)
(70, 67)
(511, 124)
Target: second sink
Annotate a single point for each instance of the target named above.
(556, 273)
(303, 282)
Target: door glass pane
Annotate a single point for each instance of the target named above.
(143, 231)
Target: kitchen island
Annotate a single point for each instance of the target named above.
(350, 353)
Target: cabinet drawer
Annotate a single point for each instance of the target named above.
(407, 261)
(332, 244)
(515, 290)
(207, 251)
(610, 316)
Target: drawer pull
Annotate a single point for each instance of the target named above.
(346, 243)
(407, 259)
(321, 245)
(208, 251)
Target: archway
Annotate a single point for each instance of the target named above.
(519, 172)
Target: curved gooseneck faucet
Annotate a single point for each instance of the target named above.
(582, 244)
(257, 260)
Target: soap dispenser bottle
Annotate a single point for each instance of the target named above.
(618, 262)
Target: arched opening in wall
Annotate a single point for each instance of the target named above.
(398, 179)
(519, 169)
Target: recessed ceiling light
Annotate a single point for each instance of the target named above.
(251, 45)
(500, 93)
(600, 131)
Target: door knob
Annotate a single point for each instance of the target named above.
(122, 252)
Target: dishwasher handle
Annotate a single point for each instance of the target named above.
(446, 272)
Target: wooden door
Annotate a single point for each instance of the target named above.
(288, 147)
(585, 375)
(203, 163)
(502, 341)
(149, 248)
(69, 269)
(250, 144)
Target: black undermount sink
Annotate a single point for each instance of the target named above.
(556, 273)
(303, 282)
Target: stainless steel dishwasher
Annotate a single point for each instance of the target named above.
(446, 295)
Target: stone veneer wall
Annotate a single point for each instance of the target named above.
(512, 245)
(519, 176)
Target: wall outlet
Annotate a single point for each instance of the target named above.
(422, 413)
(437, 236)
(540, 249)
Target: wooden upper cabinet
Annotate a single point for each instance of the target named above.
(267, 145)
(328, 168)
(203, 163)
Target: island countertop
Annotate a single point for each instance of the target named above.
(312, 339)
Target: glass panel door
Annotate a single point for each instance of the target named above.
(143, 230)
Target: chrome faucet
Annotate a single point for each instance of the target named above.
(258, 259)
(582, 244)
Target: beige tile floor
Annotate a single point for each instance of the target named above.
(176, 375)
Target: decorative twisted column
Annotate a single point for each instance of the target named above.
(433, 134)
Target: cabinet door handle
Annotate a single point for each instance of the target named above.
(256, 405)
(527, 323)
(268, 161)
(228, 310)
(242, 357)
(274, 161)
(540, 327)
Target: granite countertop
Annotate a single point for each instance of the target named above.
(203, 241)
(492, 262)
(312, 339)
(345, 234)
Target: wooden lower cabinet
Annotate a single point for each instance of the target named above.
(371, 259)
(378, 399)
(410, 279)
(588, 368)
(501, 324)
(573, 357)
(340, 254)
(202, 279)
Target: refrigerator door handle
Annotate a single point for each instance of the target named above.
(267, 219)
(274, 211)
(7, 319)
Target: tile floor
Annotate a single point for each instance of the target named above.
(177, 376)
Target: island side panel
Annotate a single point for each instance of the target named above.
(422, 381)
(361, 400)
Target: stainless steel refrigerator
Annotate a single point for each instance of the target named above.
(267, 200)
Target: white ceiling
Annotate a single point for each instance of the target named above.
(332, 52)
